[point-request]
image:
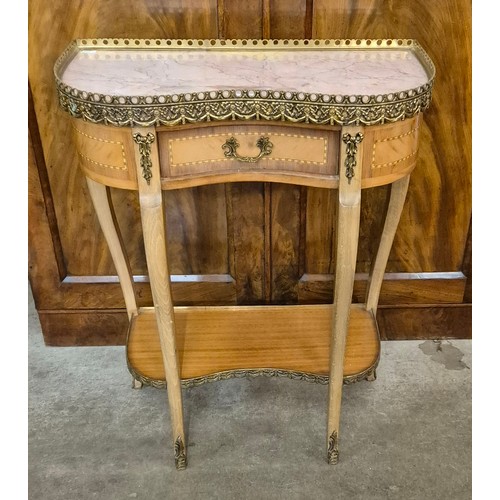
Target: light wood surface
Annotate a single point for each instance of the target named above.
(349, 194)
(215, 339)
(295, 150)
(153, 228)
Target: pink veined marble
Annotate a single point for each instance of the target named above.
(164, 72)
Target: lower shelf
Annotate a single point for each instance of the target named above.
(215, 343)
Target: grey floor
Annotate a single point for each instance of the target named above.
(405, 436)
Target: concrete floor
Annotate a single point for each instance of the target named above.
(405, 436)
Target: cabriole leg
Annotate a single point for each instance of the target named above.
(347, 244)
(101, 199)
(394, 210)
(153, 226)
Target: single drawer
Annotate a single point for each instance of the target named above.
(271, 149)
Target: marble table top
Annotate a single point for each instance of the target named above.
(149, 72)
(326, 75)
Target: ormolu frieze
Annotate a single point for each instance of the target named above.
(244, 105)
(368, 374)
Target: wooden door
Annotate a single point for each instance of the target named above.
(253, 243)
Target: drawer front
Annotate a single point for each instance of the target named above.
(292, 150)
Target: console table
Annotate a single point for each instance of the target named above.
(157, 115)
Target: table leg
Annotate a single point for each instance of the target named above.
(347, 244)
(396, 203)
(153, 226)
(101, 199)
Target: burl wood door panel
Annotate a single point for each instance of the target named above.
(260, 242)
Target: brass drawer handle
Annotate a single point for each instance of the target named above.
(264, 144)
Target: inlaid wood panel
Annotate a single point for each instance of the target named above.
(390, 152)
(200, 152)
(275, 253)
(105, 154)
